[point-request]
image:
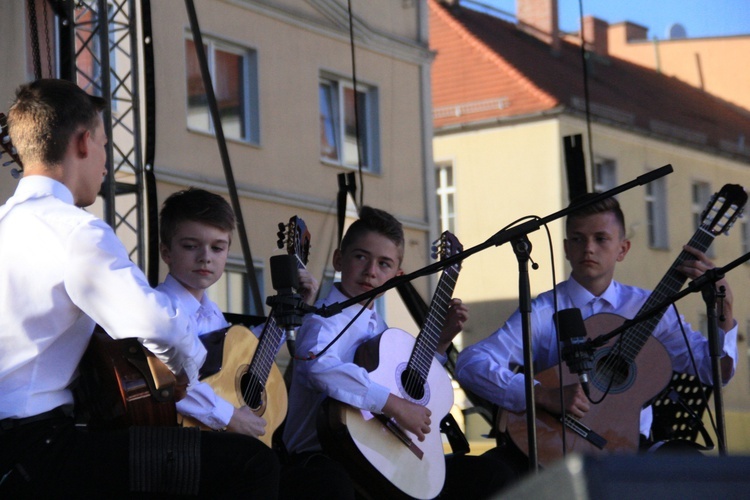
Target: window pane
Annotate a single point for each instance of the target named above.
(351, 156)
(198, 117)
(229, 93)
(328, 136)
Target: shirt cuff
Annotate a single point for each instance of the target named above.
(377, 397)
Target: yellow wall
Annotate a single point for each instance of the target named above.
(503, 173)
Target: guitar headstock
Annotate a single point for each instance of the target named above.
(296, 238)
(723, 209)
(9, 148)
(446, 246)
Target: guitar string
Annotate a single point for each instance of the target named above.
(426, 345)
(270, 339)
(632, 340)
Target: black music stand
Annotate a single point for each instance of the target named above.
(678, 411)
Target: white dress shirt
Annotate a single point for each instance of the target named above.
(488, 367)
(333, 374)
(201, 402)
(62, 271)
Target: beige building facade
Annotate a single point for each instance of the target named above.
(283, 76)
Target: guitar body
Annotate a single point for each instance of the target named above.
(613, 426)
(389, 458)
(122, 384)
(233, 379)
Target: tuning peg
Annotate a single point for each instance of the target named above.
(15, 173)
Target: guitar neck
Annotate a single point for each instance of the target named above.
(635, 338)
(427, 340)
(269, 344)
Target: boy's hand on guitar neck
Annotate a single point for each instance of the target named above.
(244, 421)
(308, 287)
(410, 416)
(576, 402)
(457, 315)
(694, 269)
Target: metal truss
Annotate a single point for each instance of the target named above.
(102, 37)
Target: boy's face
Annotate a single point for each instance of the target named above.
(367, 263)
(197, 255)
(86, 179)
(593, 246)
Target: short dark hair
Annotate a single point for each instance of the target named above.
(46, 114)
(378, 221)
(194, 204)
(602, 206)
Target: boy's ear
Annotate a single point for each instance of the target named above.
(624, 247)
(82, 143)
(164, 252)
(337, 257)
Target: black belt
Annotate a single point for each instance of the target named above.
(12, 423)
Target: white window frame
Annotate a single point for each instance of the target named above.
(605, 174)
(248, 87)
(656, 214)
(700, 194)
(332, 116)
(232, 291)
(745, 238)
(445, 186)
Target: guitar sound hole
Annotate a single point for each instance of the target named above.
(413, 383)
(612, 374)
(252, 390)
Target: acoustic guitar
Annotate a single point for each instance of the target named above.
(247, 374)
(629, 371)
(123, 384)
(381, 456)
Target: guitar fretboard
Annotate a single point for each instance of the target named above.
(636, 337)
(427, 340)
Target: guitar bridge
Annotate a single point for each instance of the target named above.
(585, 432)
(400, 434)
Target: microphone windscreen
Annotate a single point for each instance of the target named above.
(284, 272)
(570, 322)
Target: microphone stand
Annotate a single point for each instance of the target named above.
(706, 285)
(516, 234)
(709, 294)
(522, 249)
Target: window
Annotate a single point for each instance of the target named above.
(445, 196)
(745, 228)
(339, 124)
(700, 195)
(656, 213)
(232, 292)
(236, 90)
(605, 175)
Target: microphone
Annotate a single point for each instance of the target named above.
(286, 304)
(577, 351)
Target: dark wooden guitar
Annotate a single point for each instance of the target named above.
(379, 454)
(630, 370)
(248, 374)
(123, 384)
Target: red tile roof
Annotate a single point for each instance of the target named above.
(486, 69)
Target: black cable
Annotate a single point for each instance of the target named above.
(584, 65)
(356, 104)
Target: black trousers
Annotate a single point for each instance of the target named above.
(315, 475)
(54, 459)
